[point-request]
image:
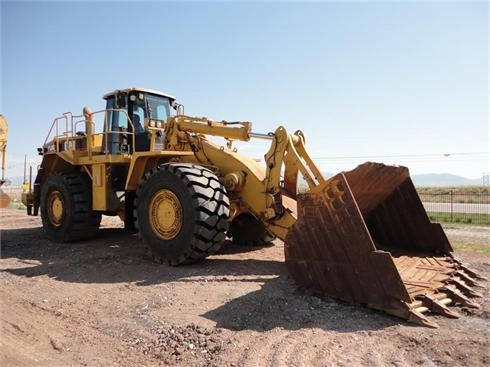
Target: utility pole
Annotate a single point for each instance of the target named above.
(485, 178)
(25, 167)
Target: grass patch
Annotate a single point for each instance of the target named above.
(467, 218)
(459, 194)
(469, 190)
(16, 204)
(476, 247)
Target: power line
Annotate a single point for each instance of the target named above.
(404, 155)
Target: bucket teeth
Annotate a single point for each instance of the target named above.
(472, 273)
(418, 318)
(434, 283)
(465, 289)
(468, 279)
(438, 306)
(457, 296)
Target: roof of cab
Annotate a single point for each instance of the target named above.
(143, 90)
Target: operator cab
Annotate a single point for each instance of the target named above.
(145, 108)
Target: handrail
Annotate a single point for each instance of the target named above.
(55, 123)
(75, 120)
(106, 129)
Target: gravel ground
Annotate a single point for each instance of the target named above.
(103, 302)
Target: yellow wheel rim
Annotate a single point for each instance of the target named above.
(165, 213)
(56, 208)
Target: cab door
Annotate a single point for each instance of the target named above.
(116, 125)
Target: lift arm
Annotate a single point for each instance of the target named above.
(258, 190)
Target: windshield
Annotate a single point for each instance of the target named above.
(159, 107)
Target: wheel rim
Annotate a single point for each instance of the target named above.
(56, 208)
(165, 213)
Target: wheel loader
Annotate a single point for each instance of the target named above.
(4, 198)
(362, 236)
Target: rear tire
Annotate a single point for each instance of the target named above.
(181, 212)
(246, 230)
(66, 207)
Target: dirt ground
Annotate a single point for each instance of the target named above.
(103, 303)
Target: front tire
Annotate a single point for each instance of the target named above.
(66, 207)
(181, 212)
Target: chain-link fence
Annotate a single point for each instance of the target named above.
(457, 207)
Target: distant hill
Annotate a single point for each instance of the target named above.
(429, 179)
(433, 179)
(438, 179)
(444, 179)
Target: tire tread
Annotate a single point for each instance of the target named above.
(211, 204)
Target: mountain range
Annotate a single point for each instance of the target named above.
(446, 179)
(429, 179)
(440, 180)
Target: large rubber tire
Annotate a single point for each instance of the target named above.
(246, 230)
(70, 193)
(204, 209)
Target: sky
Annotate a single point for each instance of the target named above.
(395, 82)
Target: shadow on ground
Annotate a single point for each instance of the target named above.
(117, 257)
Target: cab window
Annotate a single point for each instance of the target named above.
(159, 107)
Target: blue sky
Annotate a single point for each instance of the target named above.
(401, 83)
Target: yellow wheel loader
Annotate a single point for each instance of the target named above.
(4, 198)
(362, 236)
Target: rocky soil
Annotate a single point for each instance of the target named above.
(104, 303)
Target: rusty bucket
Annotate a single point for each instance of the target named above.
(364, 237)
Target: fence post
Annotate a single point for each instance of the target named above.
(451, 196)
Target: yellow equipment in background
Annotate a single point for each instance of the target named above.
(4, 198)
(362, 236)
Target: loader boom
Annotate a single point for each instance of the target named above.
(259, 192)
